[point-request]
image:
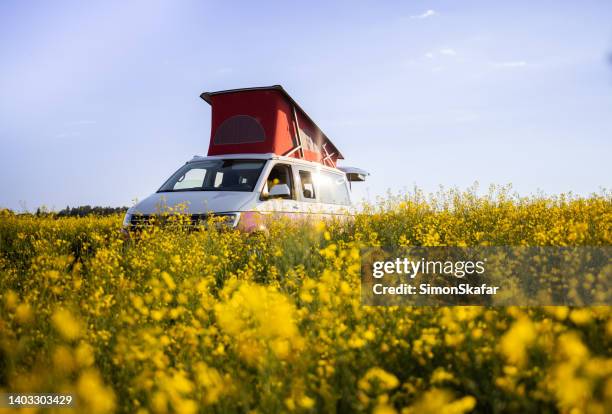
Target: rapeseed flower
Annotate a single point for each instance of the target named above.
(184, 320)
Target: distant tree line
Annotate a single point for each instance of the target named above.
(80, 211)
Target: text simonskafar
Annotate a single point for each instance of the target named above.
(428, 289)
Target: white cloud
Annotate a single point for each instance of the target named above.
(425, 15)
(444, 51)
(510, 64)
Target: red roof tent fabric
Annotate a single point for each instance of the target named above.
(262, 120)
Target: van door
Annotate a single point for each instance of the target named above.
(307, 192)
(280, 175)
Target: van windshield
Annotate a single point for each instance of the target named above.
(215, 175)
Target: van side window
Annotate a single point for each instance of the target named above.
(308, 191)
(333, 189)
(280, 174)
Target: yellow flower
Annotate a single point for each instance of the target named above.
(66, 324)
(84, 355)
(257, 316)
(290, 404)
(515, 341)
(63, 360)
(159, 402)
(11, 299)
(438, 401)
(383, 409)
(23, 313)
(559, 312)
(378, 377)
(168, 280)
(440, 375)
(212, 382)
(98, 398)
(306, 402)
(580, 316)
(183, 406)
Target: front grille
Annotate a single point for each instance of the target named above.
(140, 220)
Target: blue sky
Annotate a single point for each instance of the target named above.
(99, 101)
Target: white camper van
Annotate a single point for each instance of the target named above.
(266, 158)
(251, 189)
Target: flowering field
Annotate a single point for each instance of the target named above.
(219, 321)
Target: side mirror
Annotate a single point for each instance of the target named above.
(280, 191)
(354, 174)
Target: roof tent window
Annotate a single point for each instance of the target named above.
(239, 129)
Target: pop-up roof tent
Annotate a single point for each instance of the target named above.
(266, 120)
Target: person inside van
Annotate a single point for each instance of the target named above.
(280, 174)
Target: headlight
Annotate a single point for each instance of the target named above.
(230, 219)
(127, 220)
